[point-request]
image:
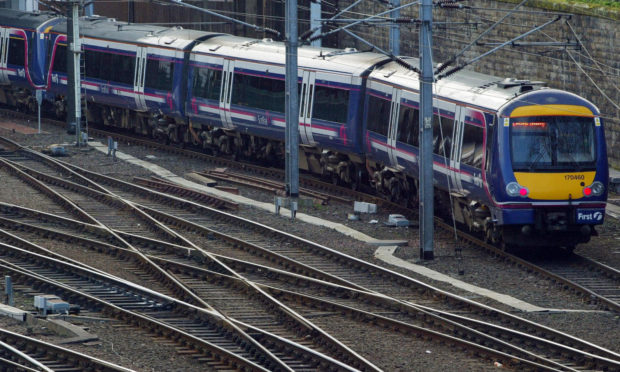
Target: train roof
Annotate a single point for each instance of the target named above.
(98, 27)
(348, 61)
(25, 20)
(467, 86)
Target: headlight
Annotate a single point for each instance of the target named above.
(514, 189)
(597, 188)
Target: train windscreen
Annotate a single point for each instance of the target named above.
(552, 143)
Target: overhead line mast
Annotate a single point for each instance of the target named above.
(425, 161)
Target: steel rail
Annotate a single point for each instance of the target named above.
(53, 352)
(308, 327)
(111, 198)
(511, 317)
(375, 298)
(64, 202)
(527, 265)
(449, 325)
(371, 297)
(205, 315)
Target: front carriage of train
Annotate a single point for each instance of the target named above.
(551, 183)
(23, 56)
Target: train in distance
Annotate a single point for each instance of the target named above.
(520, 163)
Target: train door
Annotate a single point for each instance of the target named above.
(4, 54)
(138, 81)
(228, 74)
(306, 101)
(457, 148)
(393, 127)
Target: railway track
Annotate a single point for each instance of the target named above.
(325, 275)
(334, 344)
(208, 331)
(595, 282)
(23, 353)
(309, 297)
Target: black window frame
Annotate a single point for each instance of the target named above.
(112, 67)
(330, 104)
(258, 92)
(408, 130)
(378, 114)
(59, 64)
(474, 159)
(210, 87)
(17, 50)
(159, 74)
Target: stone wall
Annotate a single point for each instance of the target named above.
(591, 71)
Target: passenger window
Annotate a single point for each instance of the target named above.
(109, 66)
(472, 151)
(91, 64)
(60, 59)
(206, 83)
(442, 135)
(378, 118)
(159, 74)
(258, 92)
(408, 125)
(330, 104)
(16, 51)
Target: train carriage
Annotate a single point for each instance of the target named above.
(525, 164)
(23, 65)
(237, 84)
(133, 75)
(521, 163)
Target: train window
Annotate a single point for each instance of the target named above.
(126, 65)
(408, 125)
(207, 83)
(442, 135)
(330, 104)
(472, 151)
(60, 59)
(159, 74)
(91, 64)
(258, 92)
(16, 51)
(378, 118)
(109, 66)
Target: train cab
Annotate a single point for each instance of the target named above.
(552, 175)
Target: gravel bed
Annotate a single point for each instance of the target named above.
(479, 267)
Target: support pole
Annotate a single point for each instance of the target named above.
(74, 80)
(395, 29)
(292, 103)
(426, 133)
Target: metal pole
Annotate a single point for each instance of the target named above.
(395, 29)
(292, 101)
(39, 97)
(76, 50)
(315, 23)
(426, 132)
(8, 290)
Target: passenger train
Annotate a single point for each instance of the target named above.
(518, 162)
